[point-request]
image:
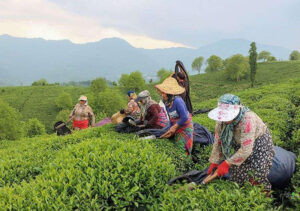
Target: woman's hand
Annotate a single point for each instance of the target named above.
(170, 132)
(223, 168)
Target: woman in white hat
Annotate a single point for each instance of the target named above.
(180, 118)
(243, 140)
(81, 114)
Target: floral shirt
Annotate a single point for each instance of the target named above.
(83, 112)
(245, 134)
(133, 109)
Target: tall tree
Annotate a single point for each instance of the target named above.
(162, 74)
(271, 59)
(98, 85)
(214, 63)
(197, 64)
(252, 62)
(263, 55)
(237, 67)
(295, 55)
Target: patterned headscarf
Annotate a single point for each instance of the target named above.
(227, 132)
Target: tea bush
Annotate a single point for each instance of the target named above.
(96, 174)
(34, 127)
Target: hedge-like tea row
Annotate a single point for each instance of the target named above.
(95, 174)
(25, 159)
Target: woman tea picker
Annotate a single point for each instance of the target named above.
(243, 140)
(152, 115)
(132, 109)
(180, 118)
(81, 114)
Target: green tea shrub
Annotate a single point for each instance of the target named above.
(97, 174)
(110, 101)
(10, 126)
(64, 101)
(218, 195)
(34, 127)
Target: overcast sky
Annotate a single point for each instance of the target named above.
(155, 23)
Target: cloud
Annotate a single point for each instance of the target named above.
(197, 22)
(41, 18)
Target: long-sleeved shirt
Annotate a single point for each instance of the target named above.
(155, 117)
(245, 133)
(83, 112)
(178, 112)
(133, 109)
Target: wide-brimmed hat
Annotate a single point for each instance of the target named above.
(82, 97)
(170, 86)
(142, 95)
(228, 108)
(117, 118)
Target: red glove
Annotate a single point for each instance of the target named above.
(212, 167)
(223, 168)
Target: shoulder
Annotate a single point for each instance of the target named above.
(178, 99)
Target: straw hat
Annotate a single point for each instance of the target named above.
(228, 108)
(170, 86)
(117, 118)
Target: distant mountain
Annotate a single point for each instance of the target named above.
(23, 60)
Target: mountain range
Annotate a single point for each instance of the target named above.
(24, 60)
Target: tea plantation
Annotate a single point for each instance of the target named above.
(99, 169)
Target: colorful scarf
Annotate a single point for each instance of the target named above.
(227, 133)
(144, 107)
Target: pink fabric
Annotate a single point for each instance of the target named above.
(247, 142)
(248, 126)
(103, 122)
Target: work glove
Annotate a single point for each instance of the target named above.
(122, 111)
(212, 167)
(223, 168)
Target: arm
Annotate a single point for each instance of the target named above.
(73, 111)
(247, 141)
(182, 111)
(129, 109)
(92, 116)
(216, 152)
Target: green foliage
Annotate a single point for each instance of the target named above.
(162, 74)
(134, 81)
(237, 67)
(197, 63)
(252, 62)
(64, 101)
(34, 127)
(295, 55)
(41, 82)
(63, 116)
(213, 85)
(98, 85)
(110, 101)
(123, 81)
(96, 174)
(214, 63)
(263, 55)
(271, 59)
(39, 101)
(10, 126)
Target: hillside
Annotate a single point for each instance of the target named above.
(211, 85)
(23, 61)
(39, 102)
(100, 169)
